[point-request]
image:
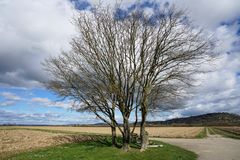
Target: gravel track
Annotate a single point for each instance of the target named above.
(214, 147)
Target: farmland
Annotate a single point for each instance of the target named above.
(231, 132)
(168, 132)
(55, 142)
(19, 143)
(12, 141)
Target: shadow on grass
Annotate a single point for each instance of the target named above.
(96, 139)
(107, 141)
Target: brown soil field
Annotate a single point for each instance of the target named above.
(14, 141)
(170, 132)
(174, 132)
(232, 129)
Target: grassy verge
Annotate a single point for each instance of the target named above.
(102, 150)
(202, 134)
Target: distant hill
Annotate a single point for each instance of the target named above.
(210, 119)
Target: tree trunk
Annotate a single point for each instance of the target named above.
(126, 135)
(143, 133)
(114, 136)
(113, 127)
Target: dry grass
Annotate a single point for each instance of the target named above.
(170, 132)
(95, 130)
(174, 132)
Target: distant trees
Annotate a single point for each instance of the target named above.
(136, 63)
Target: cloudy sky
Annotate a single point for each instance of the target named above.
(32, 30)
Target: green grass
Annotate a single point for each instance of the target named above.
(202, 134)
(103, 151)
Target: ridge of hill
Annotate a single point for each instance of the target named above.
(209, 119)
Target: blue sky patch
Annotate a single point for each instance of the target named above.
(81, 4)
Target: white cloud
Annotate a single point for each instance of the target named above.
(7, 103)
(49, 103)
(30, 32)
(10, 96)
(226, 36)
(148, 11)
(13, 117)
(40, 100)
(9, 99)
(162, 116)
(210, 13)
(220, 89)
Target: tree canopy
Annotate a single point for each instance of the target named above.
(133, 63)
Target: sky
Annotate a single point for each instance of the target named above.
(31, 31)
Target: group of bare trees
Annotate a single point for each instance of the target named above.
(131, 65)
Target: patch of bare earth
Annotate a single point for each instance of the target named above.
(231, 129)
(15, 141)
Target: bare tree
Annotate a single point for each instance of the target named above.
(128, 63)
(173, 50)
(84, 87)
(101, 68)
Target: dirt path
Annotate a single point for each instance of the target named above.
(214, 147)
